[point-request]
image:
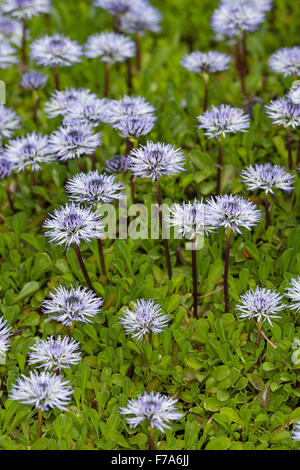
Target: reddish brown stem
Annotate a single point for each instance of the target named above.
(101, 256)
(56, 79)
(267, 208)
(83, 268)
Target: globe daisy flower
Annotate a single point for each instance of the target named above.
(219, 121)
(11, 31)
(56, 354)
(261, 304)
(6, 169)
(114, 7)
(296, 432)
(143, 318)
(94, 188)
(70, 225)
(134, 127)
(25, 9)
(286, 61)
(109, 48)
(233, 213)
(62, 101)
(293, 293)
(206, 64)
(33, 80)
(90, 113)
(294, 95)
(7, 55)
(70, 305)
(9, 121)
(287, 114)
(268, 178)
(128, 106)
(30, 151)
(5, 333)
(55, 51)
(156, 409)
(73, 141)
(192, 221)
(264, 5)
(117, 164)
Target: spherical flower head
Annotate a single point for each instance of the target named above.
(7, 55)
(89, 113)
(117, 164)
(94, 188)
(9, 121)
(293, 293)
(294, 95)
(190, 220)
(110, 47)
(56, 50)
(28, 152)
(296, 432)
(223, 120)
(268, 178)
(114, 6)
(55, 354)
(128, 106)
(6, 167)
(44, 390)
(25, 8)
(284, 113)
(62, 101)
(154, 408)
(286, 61)
(233, 212)
(143, 17)
(210, 62)
(33, 80)
(72, 224)
(134, 126)
(261, 304)
(263, 5)
(72, 141)
(144, 317)
(73, 304)
(230, 21)
(154, 160)
(5, 333)
(11, 31)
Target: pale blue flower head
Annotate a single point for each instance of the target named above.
(6, 167)
(9, 121)
(263, 5)
(24, 9)
(135, 126)
(11, 30)
(44, 390)
(154, 408)
(284, 113)
(72, 224)
(233, 212)
(30, 151)
(223, 120)
(206, 62)
(154, 160)
(7, 55)
(261, 304)
(33, 80)
(144, 317)
(55, 354)
(114, 7)
(73, 304)
(117, 164)
(62, 101)
(143, 17)
(5, 333)
(268, 178)
(229, 21)
(296, 432)
(73, 141)
(90, 112)
(110, 47)
(286, 61)
(56, 50)
(294, 94)
(128, 106)
(293, 293)
(94, 188)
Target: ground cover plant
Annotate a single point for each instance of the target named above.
(131, 340)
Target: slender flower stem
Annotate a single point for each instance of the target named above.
(245, 53)
(194, 266)
(127, 146)
(129, 75)
(56, 78)
(267, 208)
(83, 268)
(80, 164)
(289, 147)
(240, 65)
(71, 330)
(151, 443)
(32, 177)
(138, 52)
(106, 86)
(101, 256)
(40, 422)
(298, 154)
(226, 270)
(206, 90)
(23, 50)
(9, 198)
(34, 104)
(259, 327)
(165, 241)
(220, 166)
